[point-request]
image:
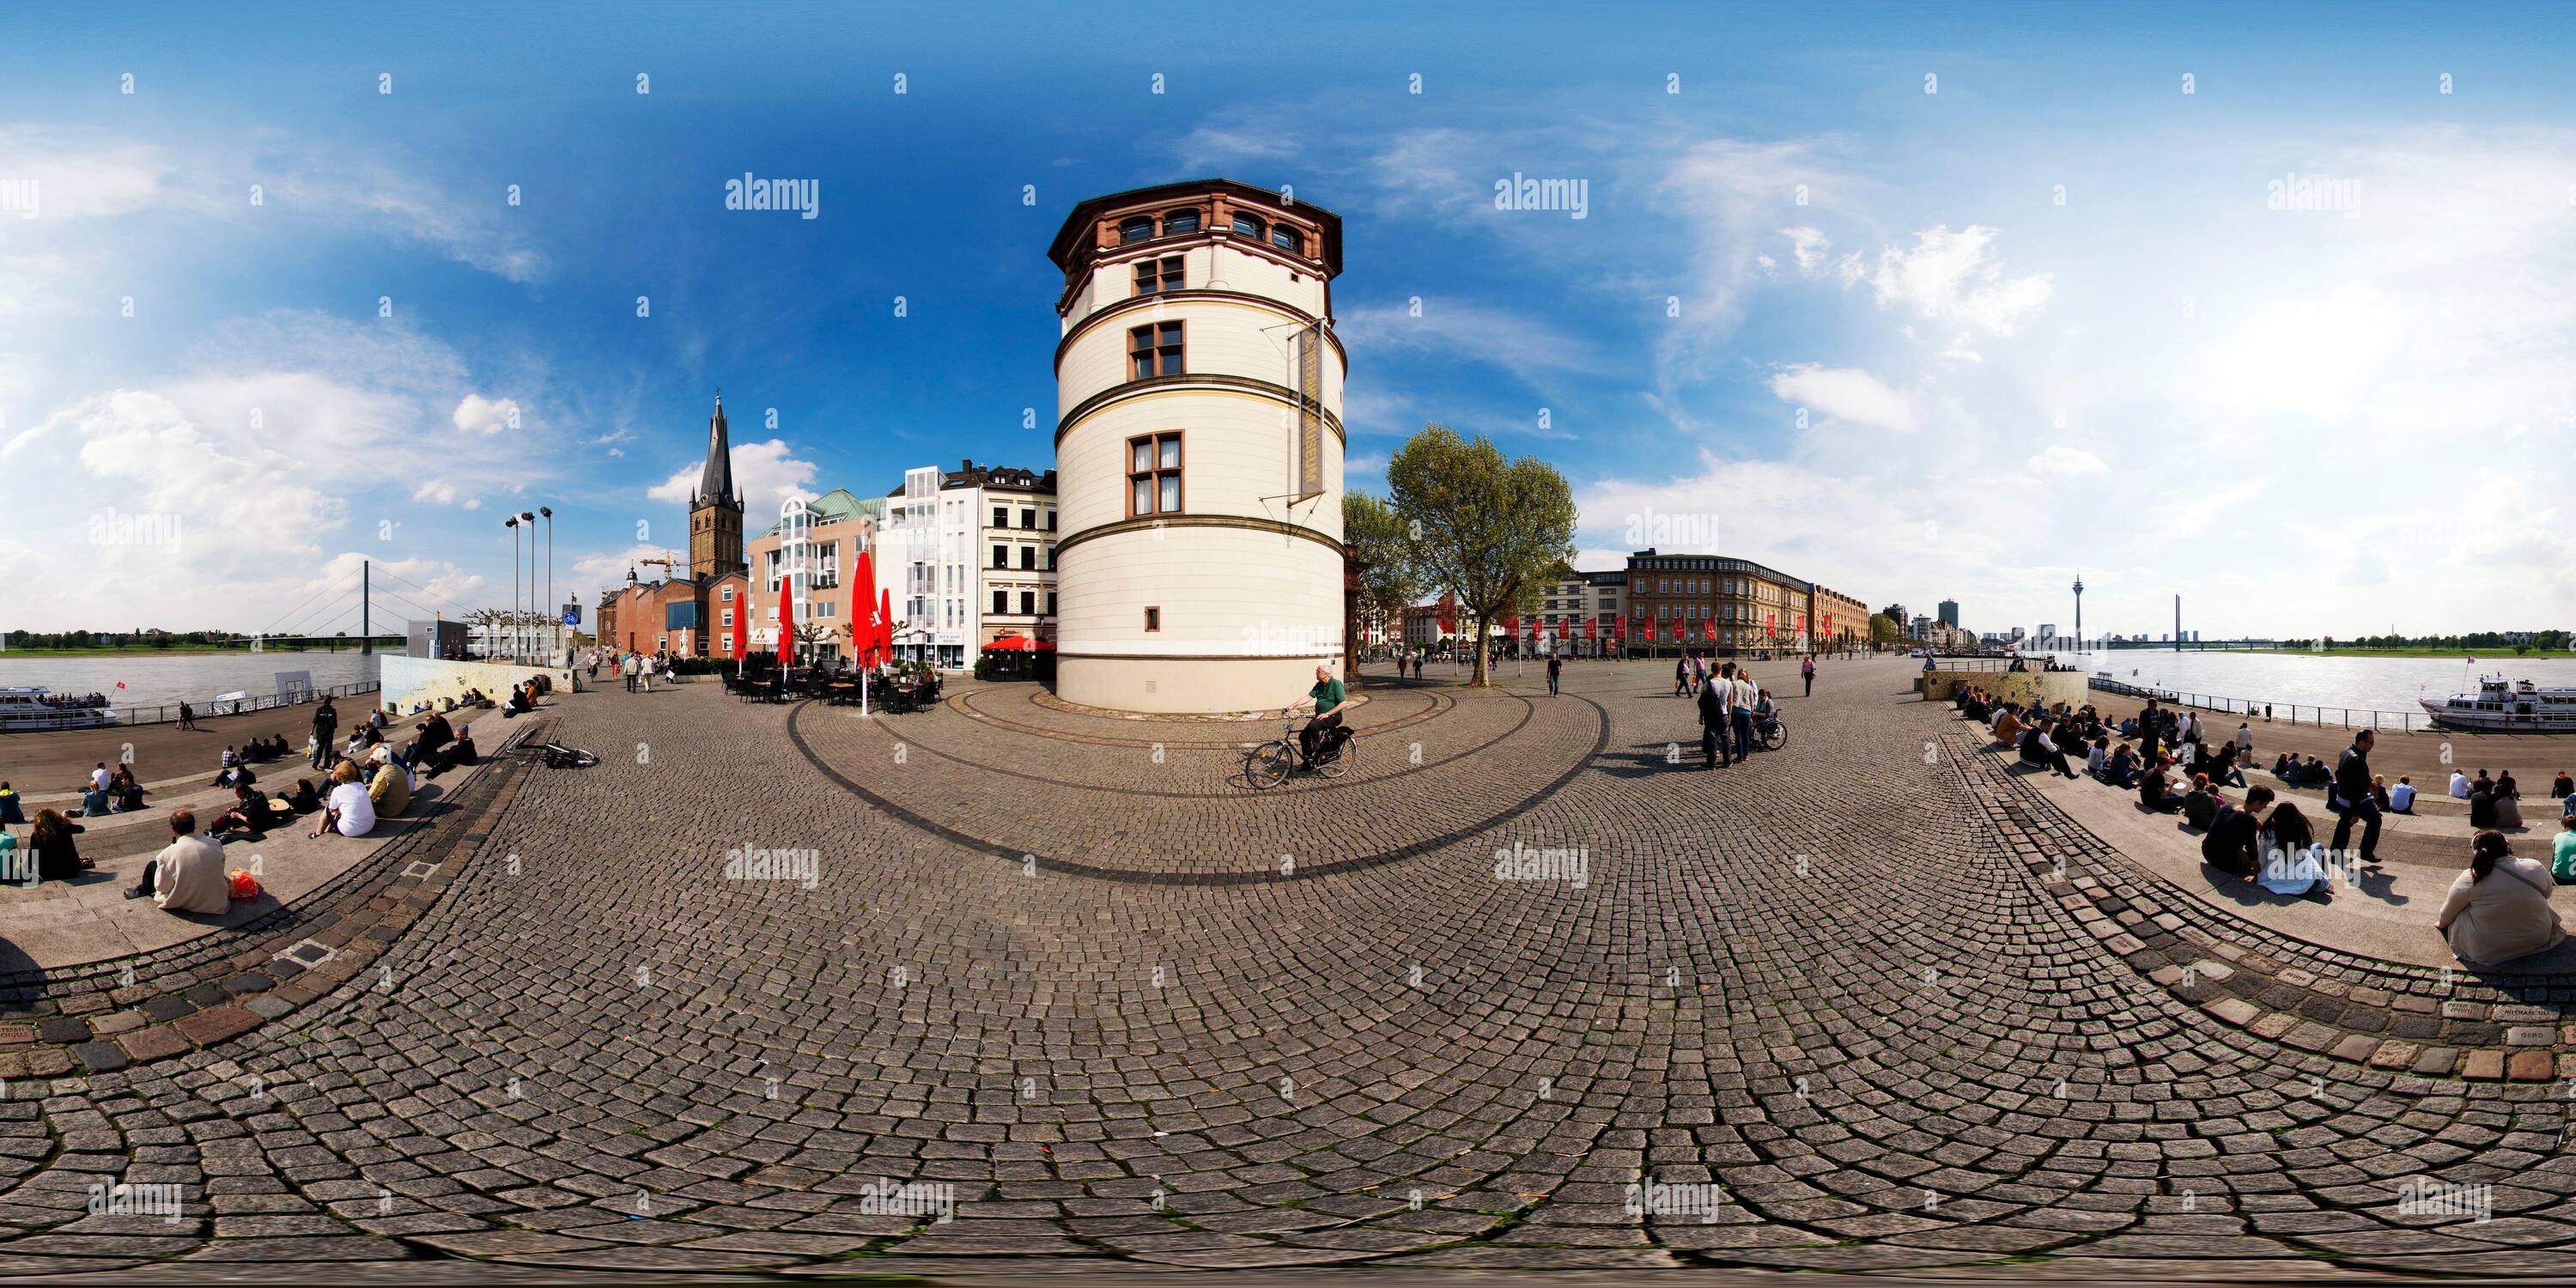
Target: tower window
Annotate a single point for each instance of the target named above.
(1180, 221)
(1158, 275)
(1249, 226)
(1154, 475)
(1286, 238)
(1029, 558)
(1153, 618)
(1135, 230)
(1154, 349)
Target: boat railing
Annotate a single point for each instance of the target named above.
(2290, 712)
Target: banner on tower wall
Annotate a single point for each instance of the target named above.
(1310, 414)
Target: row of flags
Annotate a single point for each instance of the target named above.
(873, 643)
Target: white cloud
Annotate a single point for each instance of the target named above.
(1846, 394)
(1952, 276)
(1808, 246)
(2061, 461)
(476, 414)
(1515, 342)
(765, 473)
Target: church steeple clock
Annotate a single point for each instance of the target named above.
(715, 508)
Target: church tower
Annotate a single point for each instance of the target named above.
(715, 509)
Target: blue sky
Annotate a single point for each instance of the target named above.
(1966, 343)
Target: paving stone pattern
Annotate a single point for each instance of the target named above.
(1838, 1000)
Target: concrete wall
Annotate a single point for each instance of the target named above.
(2044, 688)
(410, 680)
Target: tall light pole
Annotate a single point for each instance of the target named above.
(512, 523)
(554, 624)
(527, 629)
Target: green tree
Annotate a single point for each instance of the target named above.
(1882, 629)
(1491, 530)
(1383, 558)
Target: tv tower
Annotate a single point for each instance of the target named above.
(2079, 612)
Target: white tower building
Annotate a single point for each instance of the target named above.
(1198, 449)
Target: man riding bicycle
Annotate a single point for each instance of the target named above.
(1328, 697)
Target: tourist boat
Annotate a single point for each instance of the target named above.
(2500, 706)
(25, 710)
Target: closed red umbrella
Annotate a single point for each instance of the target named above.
(885, 621)
(742, 624)
(786, 625)
(863, 607)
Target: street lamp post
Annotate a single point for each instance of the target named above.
(512, 523)
(554, 627)
(527, 624)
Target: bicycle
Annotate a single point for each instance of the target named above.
(557, 756)
(1271, 763)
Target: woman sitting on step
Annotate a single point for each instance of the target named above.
(2499, 909)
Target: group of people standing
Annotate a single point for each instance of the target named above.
(1728, 702)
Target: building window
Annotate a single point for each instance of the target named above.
(1159, 275)
(728, 616)
(728, 594)
(1154, 349)
(1001, 556)
(1153, 618)
(1050, 520)
(1001, 601)
(1050, 558)
(1286, 238)
(1153, 475)
(1050, 603)
(1001, 516)
(1028, 558)
(1028, 518)
(1028, 603)
(1249, 225)
(1180, 221)
(1137, 229)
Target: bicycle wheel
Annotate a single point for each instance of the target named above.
(1775, 736)
(1269, 764)
(1338, 762)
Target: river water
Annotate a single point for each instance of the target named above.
(2361, 683)
(154, 680)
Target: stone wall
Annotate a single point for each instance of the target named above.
(412, 680)
(2044, 688)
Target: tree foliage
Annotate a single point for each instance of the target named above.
(1493, 531)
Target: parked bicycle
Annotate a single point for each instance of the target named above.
(558, 756)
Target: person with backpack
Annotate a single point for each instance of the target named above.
(326, 723)
(1713, 750)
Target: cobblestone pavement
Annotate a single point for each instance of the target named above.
(1001, 987)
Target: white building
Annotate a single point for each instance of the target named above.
(969, 554)
(1199, 449)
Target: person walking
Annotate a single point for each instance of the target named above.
(187, 717)
(631, 667)
(2350, 797)
(1681, 676)
(1555, 664)
(326, 722)
(1807, 672)
(1713, 751)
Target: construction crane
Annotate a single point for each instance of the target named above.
(670, 561)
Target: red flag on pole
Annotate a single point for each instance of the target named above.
(1709, 630)
(1448, 614)
(1592, 628)
(742, 622)
(786, 623)
(885, 621)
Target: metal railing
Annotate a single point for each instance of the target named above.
(2294, 712)
(168, 712)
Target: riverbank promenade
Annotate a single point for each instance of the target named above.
(1008, 989)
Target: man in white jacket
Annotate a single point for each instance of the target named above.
(188, 874)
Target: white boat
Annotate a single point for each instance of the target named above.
(25, 711)
(2501, 706)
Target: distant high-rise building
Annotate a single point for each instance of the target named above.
(1949, 612)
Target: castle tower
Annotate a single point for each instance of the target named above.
(715, 508)
(1198, 449)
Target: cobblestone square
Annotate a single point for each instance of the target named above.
(1009, 985)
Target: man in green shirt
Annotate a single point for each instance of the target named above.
(1328, 697)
